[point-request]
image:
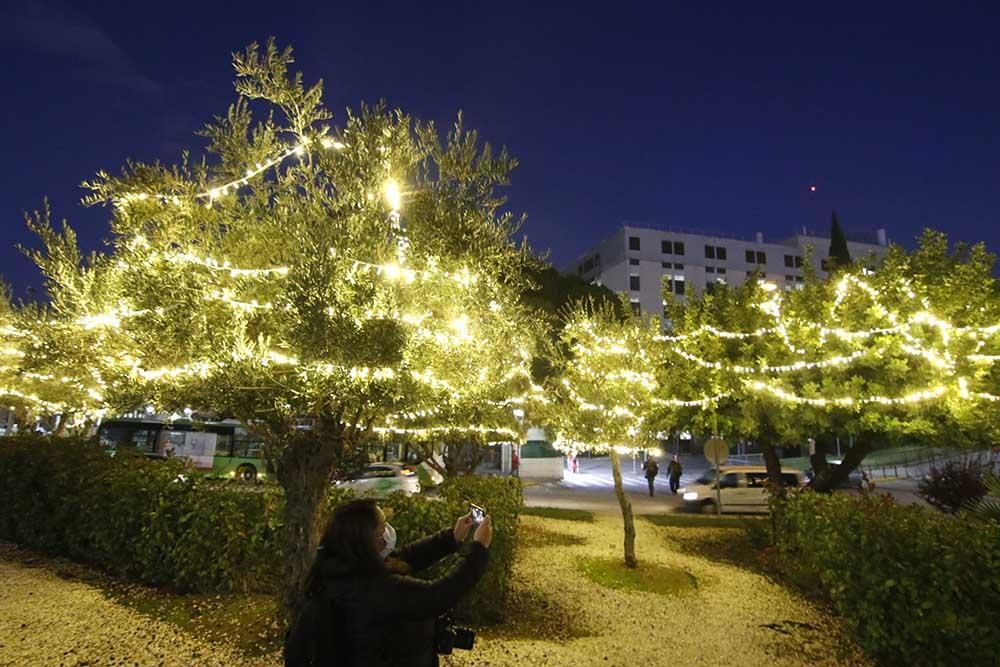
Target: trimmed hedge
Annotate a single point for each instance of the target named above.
(916, 587)
(150, 520)
(155, 522)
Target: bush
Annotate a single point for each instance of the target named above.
(155, 522)
(916, 587)
(955, 485)
(150, 520)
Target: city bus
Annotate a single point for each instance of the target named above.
(221, 449)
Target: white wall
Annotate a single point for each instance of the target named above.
(548, 468)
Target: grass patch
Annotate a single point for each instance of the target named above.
(648, 577)
(246, 623)
(699, 520)
(557, 513)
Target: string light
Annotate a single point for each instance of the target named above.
(920, 396)
(220, 191)
(499, 430)
(839, 360)
(695, 403)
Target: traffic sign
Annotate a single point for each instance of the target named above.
(716, 451)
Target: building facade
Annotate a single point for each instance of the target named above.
(651, 264)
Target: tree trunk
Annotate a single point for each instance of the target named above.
(304, 470)
(772, 462)
(623, 502)
(820, 466)
(835, 475)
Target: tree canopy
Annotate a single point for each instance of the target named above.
(362, 274)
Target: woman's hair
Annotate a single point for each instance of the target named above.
(349, 539)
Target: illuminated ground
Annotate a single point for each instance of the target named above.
(733, 617)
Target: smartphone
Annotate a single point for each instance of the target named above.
(478, 514)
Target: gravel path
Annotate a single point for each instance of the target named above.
(735, 617)
(46, 620)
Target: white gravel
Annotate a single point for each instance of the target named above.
(724, 622)
(45, 620)
(735, 617)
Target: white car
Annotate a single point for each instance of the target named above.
(382, 479)
(741, 489)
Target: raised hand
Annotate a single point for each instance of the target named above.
(462, 527)
(484, 533)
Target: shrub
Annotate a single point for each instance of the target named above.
(152, 521)
(955, 484)
(916, 587)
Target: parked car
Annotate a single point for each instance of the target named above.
(741, 489)
(382, 479)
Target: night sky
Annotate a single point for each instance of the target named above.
(697, 116)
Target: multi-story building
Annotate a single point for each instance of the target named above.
(647, 264)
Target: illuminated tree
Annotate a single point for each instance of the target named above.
(904, 353)
(600, 391)
(361, 275)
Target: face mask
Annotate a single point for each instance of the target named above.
(389, 535)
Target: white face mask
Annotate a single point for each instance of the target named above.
(389, 535)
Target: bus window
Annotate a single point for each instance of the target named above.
(247, 448)
(141, 437)
(224, 444)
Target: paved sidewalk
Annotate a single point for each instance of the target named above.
(593, 487)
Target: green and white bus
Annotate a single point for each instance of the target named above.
(221, 449)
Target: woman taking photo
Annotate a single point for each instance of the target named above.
(364, 608)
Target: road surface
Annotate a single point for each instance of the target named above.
(593, 489)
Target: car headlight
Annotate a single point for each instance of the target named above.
(690, 495)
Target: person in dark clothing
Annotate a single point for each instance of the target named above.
(651, 469)
(674, 471)
(364, 608)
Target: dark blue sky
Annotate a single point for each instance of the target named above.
(693, 115)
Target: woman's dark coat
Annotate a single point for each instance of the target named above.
(388, 619)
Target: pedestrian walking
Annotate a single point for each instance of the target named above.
(651, 469)
(674, 471)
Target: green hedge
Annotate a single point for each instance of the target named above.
(156, 522)
(915, 586)
(150, 520)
